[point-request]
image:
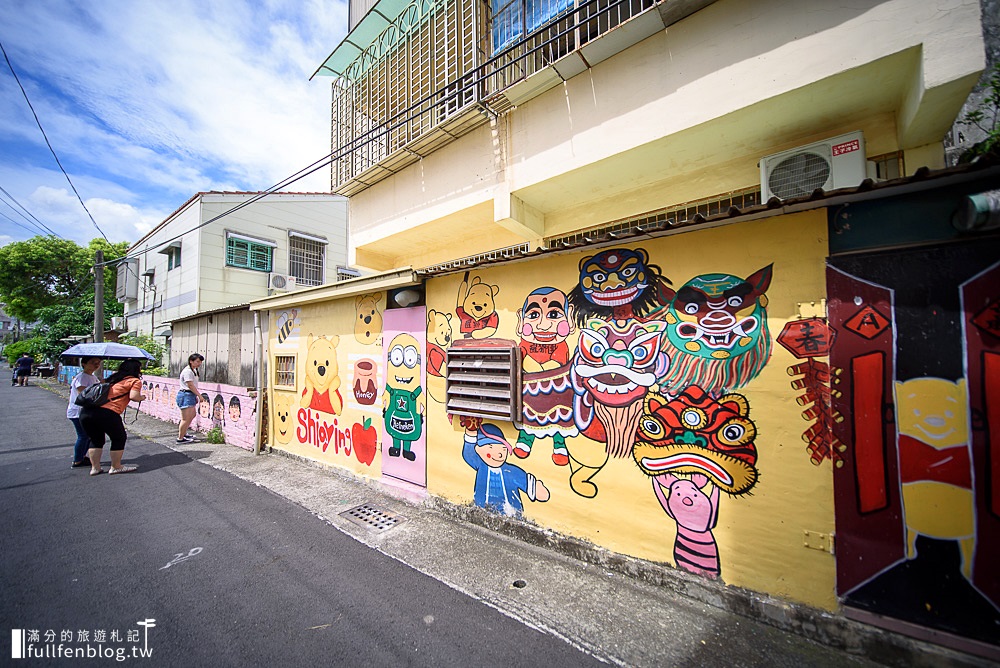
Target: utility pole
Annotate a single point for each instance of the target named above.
(99, 296)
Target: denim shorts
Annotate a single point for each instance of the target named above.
(187, 399)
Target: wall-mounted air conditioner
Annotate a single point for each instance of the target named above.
(280, 282)
(118, 323)
(833, 163)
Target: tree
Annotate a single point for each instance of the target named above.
(44, 272)
(986, 119)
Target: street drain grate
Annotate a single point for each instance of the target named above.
(373, 517)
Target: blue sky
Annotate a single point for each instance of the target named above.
(147, 103)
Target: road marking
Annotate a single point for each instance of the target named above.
(180, 556)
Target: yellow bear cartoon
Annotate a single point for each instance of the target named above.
(322, 380)
(439, 333)
(476, 308)
(935, 466)
(283, 417)
(368, 324)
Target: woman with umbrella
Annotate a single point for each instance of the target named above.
(98, 421)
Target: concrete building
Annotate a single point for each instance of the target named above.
(202, 258)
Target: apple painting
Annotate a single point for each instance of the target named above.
(364, 438)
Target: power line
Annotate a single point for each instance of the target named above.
(37, 223)
(49, 144)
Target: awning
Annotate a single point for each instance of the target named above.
(387, 280)
(169, 247)
(364, 34)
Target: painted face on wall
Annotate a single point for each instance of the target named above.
(204, 406)
(697, 434)
(617, 361)
(543, 318)
(614, 277)
(717, 332)
(404, 363)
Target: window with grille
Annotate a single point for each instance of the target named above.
(284, 371)
(247, 254)
(306, 259)
(514, 18)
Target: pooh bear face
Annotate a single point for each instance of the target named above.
(283, 417)
(479, 302)
(933, 410)
(368, 324)
(322, 372)
(439, 331)
(403, 372)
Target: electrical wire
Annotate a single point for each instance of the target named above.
(49, 144)
(30, 216)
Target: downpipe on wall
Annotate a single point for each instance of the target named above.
(258, 356)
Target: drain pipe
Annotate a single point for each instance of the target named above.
(258, 353)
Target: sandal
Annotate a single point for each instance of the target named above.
(96, 472)
(122, 469)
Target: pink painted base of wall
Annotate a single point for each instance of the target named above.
(225, 406)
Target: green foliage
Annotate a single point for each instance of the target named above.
(46, 272)
(156, 371)
(215, 436)
(31, 346)
(152, 345)
(987, 119)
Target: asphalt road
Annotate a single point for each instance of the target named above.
(231, 573)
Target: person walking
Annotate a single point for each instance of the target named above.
(24, 364)
(81, 382)
(98, 421)
(187, 397)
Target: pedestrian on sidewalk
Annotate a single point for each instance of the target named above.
(24, 364)
(81, 382)
(98, 421)
(188, 396)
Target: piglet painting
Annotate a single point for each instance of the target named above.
(696, 514)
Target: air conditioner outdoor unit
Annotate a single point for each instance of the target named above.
(118, 323)
(280, 282)
(833, 163)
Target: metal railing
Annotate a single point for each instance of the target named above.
(440, 77)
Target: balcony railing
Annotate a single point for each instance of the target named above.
(433, 75)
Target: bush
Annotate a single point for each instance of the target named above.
(31, 346)
(215, 435)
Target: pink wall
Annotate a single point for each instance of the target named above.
(221, 405)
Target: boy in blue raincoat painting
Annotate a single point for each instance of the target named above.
(499, 485)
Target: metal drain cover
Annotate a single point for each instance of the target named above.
(373, 517)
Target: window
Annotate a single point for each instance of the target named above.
(284, 370)
(514, 18)
(173, 253)
(306, 256)
(248, 253)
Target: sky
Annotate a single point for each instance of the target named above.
(146, 103)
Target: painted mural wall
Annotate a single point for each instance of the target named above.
(326, 382)
(674, 393)
(674, 397)
(225, 406)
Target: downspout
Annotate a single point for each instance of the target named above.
(258, 354)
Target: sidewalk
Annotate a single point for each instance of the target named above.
(621, 610)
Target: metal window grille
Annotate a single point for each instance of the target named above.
(248, 255)
(888, 166)
(284, 370)
(305, 260)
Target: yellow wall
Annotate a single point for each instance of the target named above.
(338, 334)
(760, 535)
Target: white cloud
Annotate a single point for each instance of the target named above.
(147, 103)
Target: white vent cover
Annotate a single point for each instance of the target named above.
(280, 282)
(838, 162)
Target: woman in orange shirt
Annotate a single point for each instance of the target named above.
(98, 421)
